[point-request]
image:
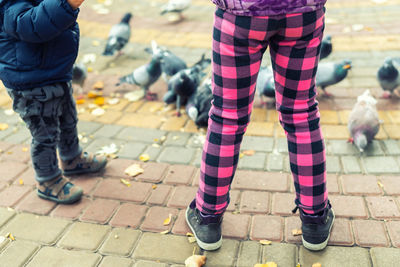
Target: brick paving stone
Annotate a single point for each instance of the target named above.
(88, 127)
(22, 135)
(342, 208)
(180, 174)
(129, 215)
(225, 256)
(360, 185)
(12, 194)
(282, 203)
(275, 162)
(335, 256)
(159, 195)
(163, 248)
(155, 217)
(108, 130)
(350, 164)
(4, 134)
(140, 120)
(382, 257)
(267, 227)
(254, 202)
(258, 114)
(234, 199)
(153, 172)
(392, 130)
(380, 165)
(18, 253)
(100, 142)
(4, 243)
(367, 238)
(281, 254)
(143, 263)
(197, 158)
(52, 256)
(9, 170)
(329, 117)
(20, 153)
(249, 254)
(34, 204)
(374, 149)
(254, 180)
(41, 229)
(257, 143)
(335, 131)
(131, 150)
(152, 151)
(140, 134)
(174, 123)
(6, 215)
(99, 211)
(111, 261)
(281, 145)
(120, 242)
(257, 128)
(177, 139)
(150, 107)
(87, 182)
(236, 226)
(383, 207)
(394, 232)
(391, 147)
(180, 226)
(341, 234)
(292, 223)
(28, 177)
(254, 162)
(332, 184)
(341, 147)
(391, 184)
(176, 155)
(333, 164)
(86, 236)
(182, 196)
(71, 211)
(115, 189)
(111, 116)
(4, 146)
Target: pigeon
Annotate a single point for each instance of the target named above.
(119, 36)
(79, 75)
(170, 63)
(265, 85)
(326, 47)
(330, 73)
(388, 76)
(176, 6)
(145, 75)
(199, 104)
(185, 82)
(363, 121)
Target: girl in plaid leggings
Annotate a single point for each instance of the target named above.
(243, 29)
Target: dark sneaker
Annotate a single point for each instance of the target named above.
(206, 228)
(84, 163)
(317, 228)
(59, 190)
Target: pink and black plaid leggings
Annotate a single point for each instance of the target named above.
(238, 46)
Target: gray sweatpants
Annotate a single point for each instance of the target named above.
(50, 114)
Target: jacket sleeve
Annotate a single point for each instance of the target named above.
(38, 24)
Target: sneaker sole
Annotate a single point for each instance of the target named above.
(202, 245)
(320, 246)
(68, 173)
(74, 198)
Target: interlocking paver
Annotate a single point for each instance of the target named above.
(22, 135)
(177, 138)
(129, 215)
(394, 232)
(115, 189)
(341, 234)
(367, 238)
(282, 203)
(87, 182)
(391, 184)
(391, 147)
(27, 177)
(155, 217)
(140, 135)
(9, 170)
(180, 226)
(332, 184)
(99, 211)
(254, 202)
(163, 247)
(20, 153)
(180, 174)
(153, 172)
(100, 142)
(177, 155)
(249, 254)
(181, 196)
(41, 229)
(6, 215)
(382, 257)
(380, 165)
(111, 261)
(383, 207)
(153, 151)
(236, 225)
(131, 150)
(120, 242)
(254, 162)
(108, 130)
(281, 254)
(342, 208)
(335, 256)
(255, 180)
(11, 195)
(117, 167)
(360, 185)
(225, 256)
(333, 164)
(18, 253)
(292, 223)
(86, 236)
(159, 195)
(72, 211)
(52, 256)
(143, 263)
(350, 164)
(275, 162)
(262, 144)
(267, 227)
(35, 204)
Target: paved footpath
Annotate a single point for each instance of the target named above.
(121, 222)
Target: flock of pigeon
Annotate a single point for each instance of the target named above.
(186, 85)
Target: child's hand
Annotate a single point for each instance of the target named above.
(75, 3)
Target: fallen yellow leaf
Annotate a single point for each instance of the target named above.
(241, 155)
(25, 149)
(195, 261)
(298, 264)
(99, 101)
(296, 232)
(317, 264)
(168, 220)
(89, 69)
(10, 236)
(249, 152)
(3, 126)
(99, 85)
(380, 184)
(265, 242)
(95, 43)
(154, 186)
(94, 94)
(134, 170)
(144, 157)
(125, 182)
(267, 264)
(191, 239)
(164, 232)
(189, 234)
(21, 182)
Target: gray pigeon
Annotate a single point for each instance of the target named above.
(330, 73)
(170, 63)
(79, 75)
(265, 85)
(388, 76)
(326, 47)
(363, 121)
(199, 104)
(176, 6)
(119, 36)
(145, 75)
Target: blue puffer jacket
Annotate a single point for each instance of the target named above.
(39, 42)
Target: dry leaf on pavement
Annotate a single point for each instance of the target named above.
(296, 232)
(267, 264)
(108, 151)
(265, 242)
(249, 152)
(99, 101)
(3, 126)
(317, 264)
(195, 261)
(134, 170)
(21, 182)
(10, 236)
(191, 239)
(168, 220)
(98, 112)
(125, 182)
(144, 157)
(80, 101)
(164, 232)
(99, 85)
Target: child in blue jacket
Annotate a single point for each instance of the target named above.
(39, 42)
